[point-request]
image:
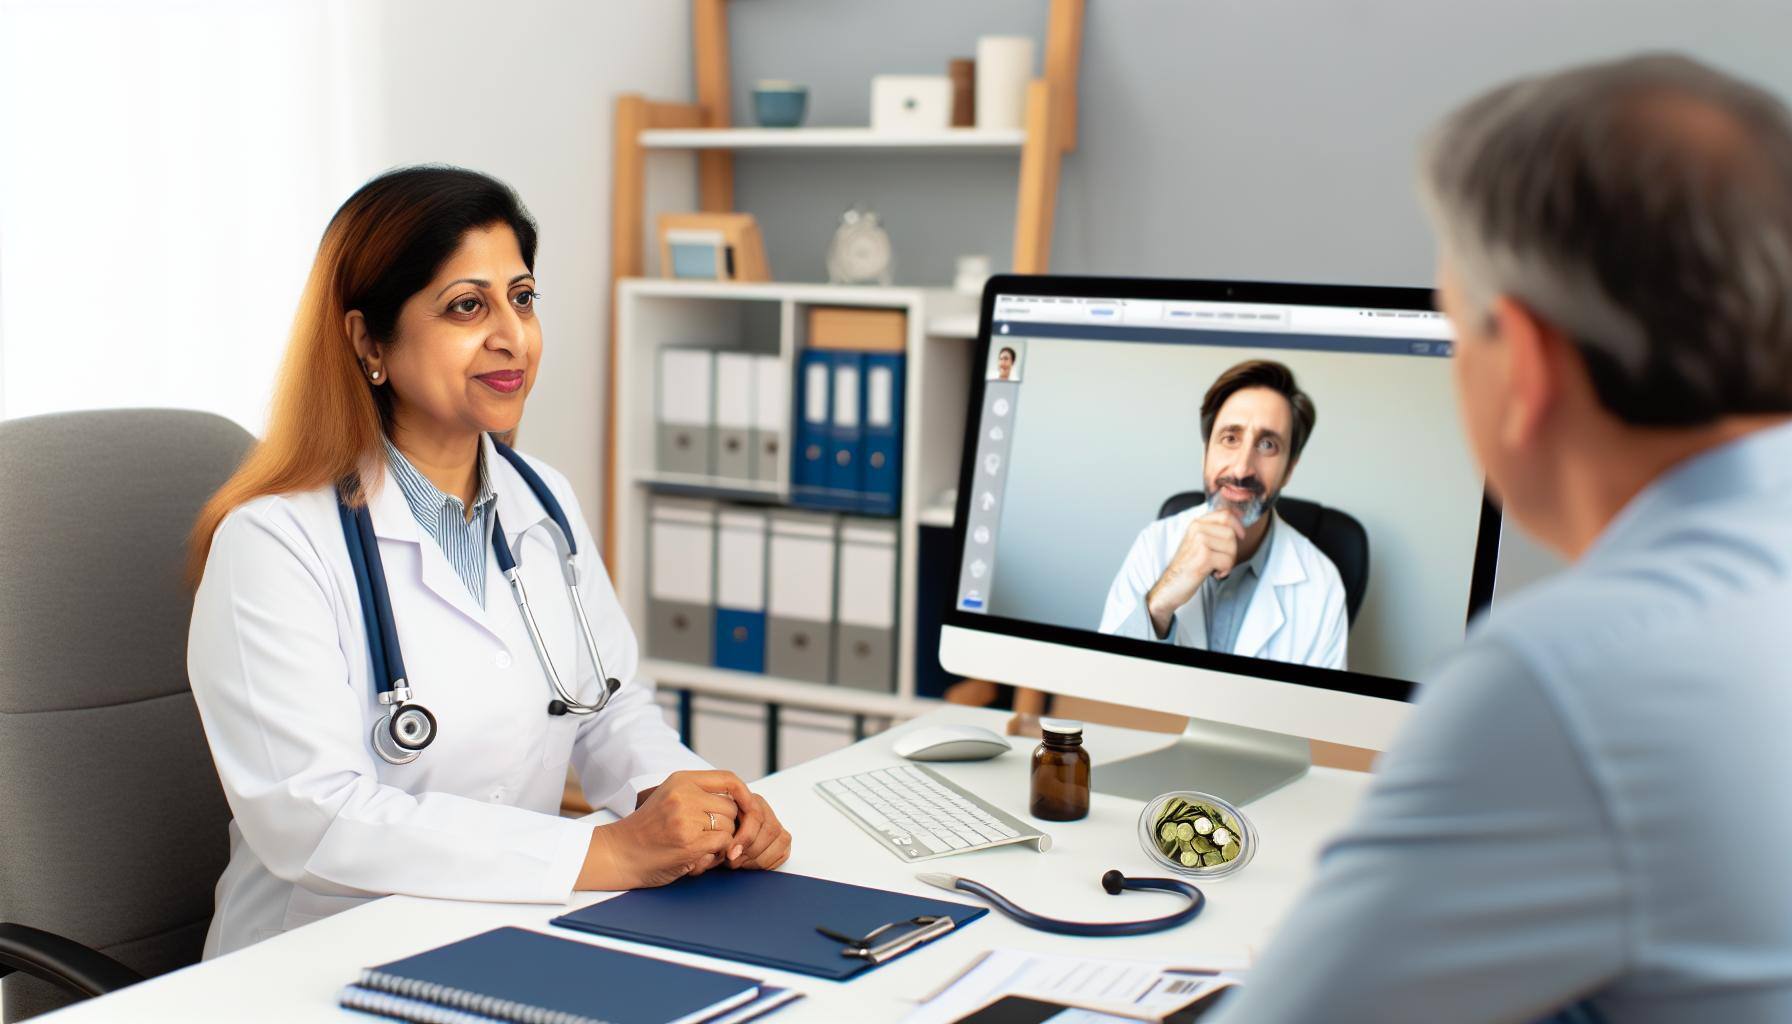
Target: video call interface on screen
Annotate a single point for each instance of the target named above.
(1153, 469)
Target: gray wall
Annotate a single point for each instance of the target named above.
(1105, 431)
(1227, 138)
(1268, 139)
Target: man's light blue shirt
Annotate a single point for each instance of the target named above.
(1227, 600)
(1591, 805)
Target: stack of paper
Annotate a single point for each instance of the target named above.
(1122, 991)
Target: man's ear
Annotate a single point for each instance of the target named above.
(1532, 373)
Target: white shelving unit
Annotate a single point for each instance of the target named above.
(971, 139)
(654, 313)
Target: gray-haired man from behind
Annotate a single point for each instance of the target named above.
(1589, 814)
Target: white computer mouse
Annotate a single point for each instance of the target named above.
(951, 743)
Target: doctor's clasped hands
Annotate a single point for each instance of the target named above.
(692, 822)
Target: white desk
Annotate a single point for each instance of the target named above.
(295, 977)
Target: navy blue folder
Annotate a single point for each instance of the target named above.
(761, 917)
(846, 465)
(543, 975)
(814, 424)
(882, 415)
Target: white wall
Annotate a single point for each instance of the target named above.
(167, 171)
(170, 166)
(525, 91)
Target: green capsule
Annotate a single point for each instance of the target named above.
(1203, 844)
(1212, 859)
(1229, 851)
(1185, 831)
(1168, 832)
(1190, 858)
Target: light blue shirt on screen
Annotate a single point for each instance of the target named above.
(1591, 806)
(1226, 600)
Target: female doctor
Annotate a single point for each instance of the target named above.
(415, 342)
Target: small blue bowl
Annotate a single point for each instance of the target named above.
(780, 104)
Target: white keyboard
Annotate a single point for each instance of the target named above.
(916, 814)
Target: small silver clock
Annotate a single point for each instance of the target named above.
(860, 252)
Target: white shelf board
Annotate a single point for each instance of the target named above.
(716, 485)
(952, 313)
(962, 326)
(751, 686)
(772, 291)
(952, 139)
(938, 515)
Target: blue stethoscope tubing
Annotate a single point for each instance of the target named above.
(1114, 882)
(400, 735)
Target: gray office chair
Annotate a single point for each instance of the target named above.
(112, 822)
(1333, 531)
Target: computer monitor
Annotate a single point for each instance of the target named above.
(1121, 429)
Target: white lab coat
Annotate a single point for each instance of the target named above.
(1297, 612)
(279, 665)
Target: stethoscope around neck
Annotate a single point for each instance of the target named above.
(408, 727)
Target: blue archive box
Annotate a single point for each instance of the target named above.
(882, 489)
(846, 476)
(811, 454)
(740, 589)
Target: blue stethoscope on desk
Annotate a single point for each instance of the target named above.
(1114, 882)
(402, 733)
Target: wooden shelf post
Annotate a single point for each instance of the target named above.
(1040, 159)
(715, 168)
(1051, 132)
(1063, 57)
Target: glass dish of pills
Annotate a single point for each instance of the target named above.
(1196, 834)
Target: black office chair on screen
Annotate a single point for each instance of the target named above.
(1336, 533)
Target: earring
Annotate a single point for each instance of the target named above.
(375, 375)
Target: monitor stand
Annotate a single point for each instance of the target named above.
(1228, 761)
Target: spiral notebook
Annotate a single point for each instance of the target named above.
(385, 1004)
(520, 976)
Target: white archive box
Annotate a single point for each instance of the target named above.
(911, 103)
(800, 595)
(685, 412)
(865, 623)
(735, 373)
(771, 404)
(681, 579)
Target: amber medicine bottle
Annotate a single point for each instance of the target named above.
(1060, 772)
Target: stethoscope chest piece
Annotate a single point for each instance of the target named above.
(402, 733)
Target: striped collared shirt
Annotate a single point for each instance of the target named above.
(444, 517)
